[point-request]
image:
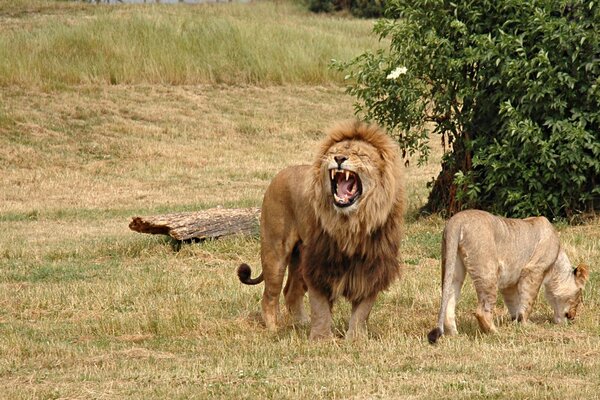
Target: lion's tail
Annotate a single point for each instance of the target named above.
(449, 254)
(245, 272)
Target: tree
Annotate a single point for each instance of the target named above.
(513, 88)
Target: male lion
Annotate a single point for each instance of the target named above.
(513, 255)
(337, 225)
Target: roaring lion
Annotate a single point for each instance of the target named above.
(515, 256)
(336, 225)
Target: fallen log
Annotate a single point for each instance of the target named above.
(200, 225)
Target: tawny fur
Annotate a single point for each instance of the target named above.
(331, 251)
(514, 256)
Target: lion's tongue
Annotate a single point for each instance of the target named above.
(346, 187)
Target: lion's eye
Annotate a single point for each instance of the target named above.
(365, 159)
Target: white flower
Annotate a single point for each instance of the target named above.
(397, 72)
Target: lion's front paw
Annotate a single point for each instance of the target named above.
(320, 335)
(356, 334)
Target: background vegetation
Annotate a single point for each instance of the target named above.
(90, 309)
(358, 8)
(129, 44)
(512, 87)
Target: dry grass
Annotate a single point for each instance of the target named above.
(89, 309)
(122, 147)
(47, 44)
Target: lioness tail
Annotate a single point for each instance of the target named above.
(449, 253)
(244, 272)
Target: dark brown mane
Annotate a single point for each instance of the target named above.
(355, 277)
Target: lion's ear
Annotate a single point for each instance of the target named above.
(582, 274)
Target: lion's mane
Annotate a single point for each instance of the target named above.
(356, 254)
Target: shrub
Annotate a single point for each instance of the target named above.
(323, 5)
(513, 88)
(367, 8)
(358, 8)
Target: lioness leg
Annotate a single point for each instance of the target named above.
(358, 319)
(487, 292)
(320, 315)
(512, 300)
(294, 290)
(529, 287)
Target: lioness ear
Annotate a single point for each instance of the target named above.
(582, 274)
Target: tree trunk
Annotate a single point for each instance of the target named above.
(212, 223)
(442, 197)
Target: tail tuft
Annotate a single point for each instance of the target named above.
(434, 335)
(245, 272)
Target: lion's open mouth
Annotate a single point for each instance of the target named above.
(345, 187)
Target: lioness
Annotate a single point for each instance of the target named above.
(513, 255)
(337, 225)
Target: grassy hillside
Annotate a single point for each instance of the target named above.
(257, 43)
(90, 309)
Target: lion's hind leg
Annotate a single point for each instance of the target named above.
(274, 263)
(295, 288)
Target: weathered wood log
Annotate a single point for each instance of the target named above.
(200, 225)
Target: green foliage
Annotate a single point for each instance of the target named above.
(512, 85)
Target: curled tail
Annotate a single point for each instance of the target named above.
(449, 253)
(244, 272)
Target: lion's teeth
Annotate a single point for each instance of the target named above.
(347, 175)
(332, 174)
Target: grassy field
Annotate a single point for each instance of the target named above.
(90, 309)
(259, 43)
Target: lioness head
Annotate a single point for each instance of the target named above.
(356, 181)
(567, 301)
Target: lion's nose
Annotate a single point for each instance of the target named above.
(340, 160)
